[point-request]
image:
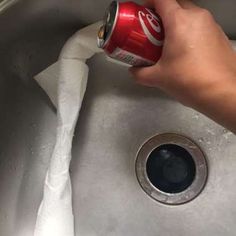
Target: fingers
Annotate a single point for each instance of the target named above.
(165, 7)
(187, 4)
(148, 76)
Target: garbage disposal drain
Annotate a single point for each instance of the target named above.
(171, 169)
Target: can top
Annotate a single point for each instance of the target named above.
(109, 22)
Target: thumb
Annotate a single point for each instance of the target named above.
(149, 76)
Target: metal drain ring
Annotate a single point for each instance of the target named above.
(198, 157)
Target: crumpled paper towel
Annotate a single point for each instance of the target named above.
(65, 83)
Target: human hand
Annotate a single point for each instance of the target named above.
(198, 62)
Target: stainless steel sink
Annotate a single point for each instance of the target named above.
(117, 117)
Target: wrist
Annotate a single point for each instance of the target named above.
(219, 102)
(217, 91)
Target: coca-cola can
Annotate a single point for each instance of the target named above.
(131, 33)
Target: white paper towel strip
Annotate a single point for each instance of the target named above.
(55, 215)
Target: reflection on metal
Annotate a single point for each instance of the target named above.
(4, 4)
(197, 155)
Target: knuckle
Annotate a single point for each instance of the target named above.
(175, 16)
(205, 14)
(176, 20)
(178, 14)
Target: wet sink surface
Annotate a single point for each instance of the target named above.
(117, 117)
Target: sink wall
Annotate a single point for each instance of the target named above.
(107, 197)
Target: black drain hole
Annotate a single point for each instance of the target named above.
(170, 168)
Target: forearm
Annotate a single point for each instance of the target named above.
(219, 103)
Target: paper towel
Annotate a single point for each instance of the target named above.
(55, 214)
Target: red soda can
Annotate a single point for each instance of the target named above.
(131, 33)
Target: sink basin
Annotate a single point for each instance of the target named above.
(117, 117)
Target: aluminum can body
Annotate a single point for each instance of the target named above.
(132, 34)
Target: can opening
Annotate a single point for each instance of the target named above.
(106, 29)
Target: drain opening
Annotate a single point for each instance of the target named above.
(170, 168)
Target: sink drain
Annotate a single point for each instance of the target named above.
(171, 169)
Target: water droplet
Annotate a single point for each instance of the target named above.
(227, 134)
(225, 131)
(31, 150)
(209, 131)
(200, 140)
